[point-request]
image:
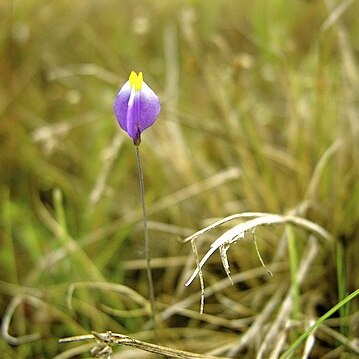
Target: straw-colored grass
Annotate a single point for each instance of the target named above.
(259, 124)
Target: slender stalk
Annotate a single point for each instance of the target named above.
(341, 279)
(293, 261)
(147, 243)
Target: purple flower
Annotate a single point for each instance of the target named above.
(136, 107)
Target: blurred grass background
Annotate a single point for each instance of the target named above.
(259, 113)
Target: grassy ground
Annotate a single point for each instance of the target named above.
(259, 114)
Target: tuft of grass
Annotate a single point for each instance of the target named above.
(259, 115)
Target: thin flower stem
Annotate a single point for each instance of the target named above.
(147, 244)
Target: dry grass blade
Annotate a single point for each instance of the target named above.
(237, 232)
(352, 344)
(119, 288)
(224, 258)
(10, 310)
(260, 320)
(335, 14)
(309, 344)
(215, 288)
(201, 281)
(222, 221)
(108, 339)
(284, 312)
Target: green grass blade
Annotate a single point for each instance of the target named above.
(324, 317)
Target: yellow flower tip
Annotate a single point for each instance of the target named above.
(136, 80)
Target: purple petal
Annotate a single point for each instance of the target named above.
(120, 105)
(149, 105)
(133, 116)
